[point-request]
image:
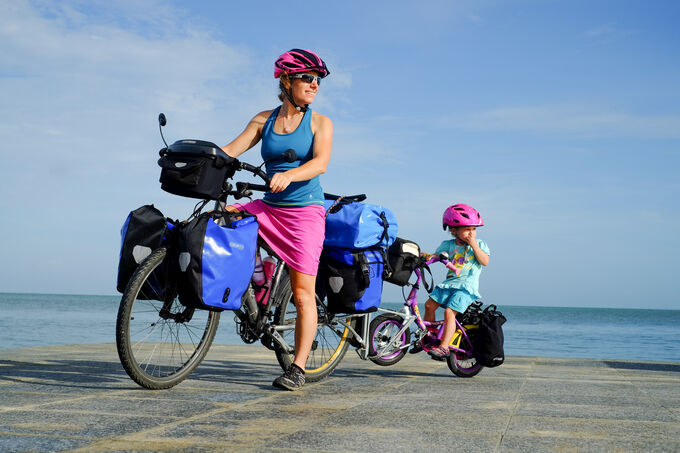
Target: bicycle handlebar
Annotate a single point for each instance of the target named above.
(444, 259)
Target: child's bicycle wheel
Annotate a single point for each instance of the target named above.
(381, 331)
(463, 364)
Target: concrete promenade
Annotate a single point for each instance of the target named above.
(78, 398)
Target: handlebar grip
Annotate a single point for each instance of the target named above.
(260, 187)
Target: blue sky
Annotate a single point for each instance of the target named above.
(558, 120)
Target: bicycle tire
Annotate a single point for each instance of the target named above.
(462, 364)
(157, 348)
(381, 331)
(329, 346)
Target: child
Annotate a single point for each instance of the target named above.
(461, 287)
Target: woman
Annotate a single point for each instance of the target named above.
(291, 214)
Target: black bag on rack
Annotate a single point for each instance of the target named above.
(403, 257)
(351, 280)
(488, 340)
(144, 230)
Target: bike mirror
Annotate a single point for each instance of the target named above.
(290, 155)
(162, 122)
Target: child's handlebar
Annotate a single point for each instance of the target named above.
(441, 258)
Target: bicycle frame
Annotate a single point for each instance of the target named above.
(411, 314)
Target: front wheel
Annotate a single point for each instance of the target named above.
(330, 341)
(463, 364)
(160, 342)
(381, 332)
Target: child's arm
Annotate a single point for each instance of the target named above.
(482, 257)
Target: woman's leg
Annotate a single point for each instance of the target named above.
(307, 318)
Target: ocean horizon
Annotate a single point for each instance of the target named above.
(35, 320)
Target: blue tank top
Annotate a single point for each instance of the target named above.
(300, 193)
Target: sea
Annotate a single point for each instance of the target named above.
(34, 320)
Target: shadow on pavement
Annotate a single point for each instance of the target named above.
(672, 367)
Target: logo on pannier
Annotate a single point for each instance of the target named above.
(335, 284)
(180, 164)
(184, 260)
(139, 252)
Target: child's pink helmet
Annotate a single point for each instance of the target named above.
(461, 215)
(298, 60)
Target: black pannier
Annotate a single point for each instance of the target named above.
(194, 169)
(144, 230)
(351, 280)
(488, 339)
(403, 257)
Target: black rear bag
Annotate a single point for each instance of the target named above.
(144, 230)
(488, 341)
(195, 169)
(403, 257)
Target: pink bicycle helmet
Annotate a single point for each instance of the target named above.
(461, 215)
(298, 60)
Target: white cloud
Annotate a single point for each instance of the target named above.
(77, 78)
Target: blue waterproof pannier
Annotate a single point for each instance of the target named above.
(144, 230)
(216, 261)
(351, 280)
(358, 225)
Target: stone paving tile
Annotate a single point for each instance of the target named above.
(14, 400)
(392, 440)
(21, 443)
(60, 423)
(597, 412)
(120, 404)
(585, 445)
(591, 428)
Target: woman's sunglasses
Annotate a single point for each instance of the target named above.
(307, 78)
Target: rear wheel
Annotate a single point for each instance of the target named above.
(160, 342)
(330, 342)
(382, 329)
(463, 364)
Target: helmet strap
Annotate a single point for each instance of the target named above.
(289, 96)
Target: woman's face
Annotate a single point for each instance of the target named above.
(304, 92)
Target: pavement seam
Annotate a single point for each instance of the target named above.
(513, 412)
(35, 406)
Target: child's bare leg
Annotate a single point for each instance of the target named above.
(449, 327)
(430, 307)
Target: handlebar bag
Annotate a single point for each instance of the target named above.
(194, 169)
(403, 257)
(216, 262)
(351, 280)
(144, 230)
(356, 225)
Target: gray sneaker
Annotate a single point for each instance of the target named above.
(292, 379)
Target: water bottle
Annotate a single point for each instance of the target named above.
(268, 265)
(258, 274)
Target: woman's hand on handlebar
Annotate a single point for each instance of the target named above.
(279, 182)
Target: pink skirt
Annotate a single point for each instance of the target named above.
(295, 234)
